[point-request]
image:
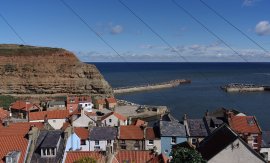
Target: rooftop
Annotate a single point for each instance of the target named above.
(19, 129)
(82, 133)
(244, 124)
(134, 157)
(22, 105)
(172, 128)
(151, 133)
(12, 143)
(103, 133)
(49, 138)
(53, 114)
(131, 132)
(197, 128)
(74, 156)
(111, 100)
(3, 114)
(117, 115)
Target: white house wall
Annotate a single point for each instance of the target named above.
(102, 144)
(56, 123)
(235, 155)
(114, 121)
(157, 143)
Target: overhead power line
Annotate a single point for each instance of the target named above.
(152, 30)
(13, 29)
(239, 30)
(90, 28)
(207, 29)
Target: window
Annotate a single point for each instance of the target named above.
(166, 151)
(123, 142)
(83, 142)
(110, 120)
(173, 140)
(194, 141)
(109, 141)
(96, 148)
(151, 142)
(123, 147)
(54, 121)
(97, 142)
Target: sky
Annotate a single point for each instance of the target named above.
(160, 32)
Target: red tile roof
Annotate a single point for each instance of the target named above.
(100, 101)
(3, 114)
(117, 115)
(19, 129)
(139, 122)
(54, 114)
(150, 134)
(131, 132)
(111, 100)
(134, 157)
(23, 105)
(244, 124)
(82, 133)
(73, 156)
(12, 143)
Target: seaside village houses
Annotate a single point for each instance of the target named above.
(78, 127)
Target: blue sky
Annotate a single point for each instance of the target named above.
(50, 23)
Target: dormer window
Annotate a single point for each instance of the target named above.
(48, 152)
(13, 156)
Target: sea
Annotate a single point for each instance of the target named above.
(204, 92)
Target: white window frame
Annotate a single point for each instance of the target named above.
(173, 138)
(151, 143)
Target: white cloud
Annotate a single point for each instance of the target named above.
(117, 29)
(214, 52)
(263, 28)
(249, 2)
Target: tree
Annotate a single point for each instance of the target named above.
(186, 155)
(86, 160)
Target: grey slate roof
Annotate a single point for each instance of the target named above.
(266, 139)
(48, 138)
(103, 133)
(172, 128)
(211, 123)
(197, 128)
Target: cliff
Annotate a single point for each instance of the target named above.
(37, 71)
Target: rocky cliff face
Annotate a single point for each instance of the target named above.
(27, 70)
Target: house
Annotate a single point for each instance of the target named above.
(73, 156)
(99, 104)
(49, 146)
(131, 138)
(56, 105)
(224, 145)
(102, 138)
(73, 142)
(111, 102)
(19, 129)
(83, 134)
(248, 128)
(211, 123)
(171, 133)
(152, 139)
(196, 130)
(85, 102)
(13, 149)
(137, 156)
(21, 109)
(4, 115)
(86, 119)
(56, 118)
(113, 119)
(265, 147)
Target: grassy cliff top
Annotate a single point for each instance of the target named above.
(17, 50)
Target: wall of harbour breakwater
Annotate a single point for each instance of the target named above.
(169, 84)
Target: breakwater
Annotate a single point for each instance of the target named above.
(163, 85)
(245, 88)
